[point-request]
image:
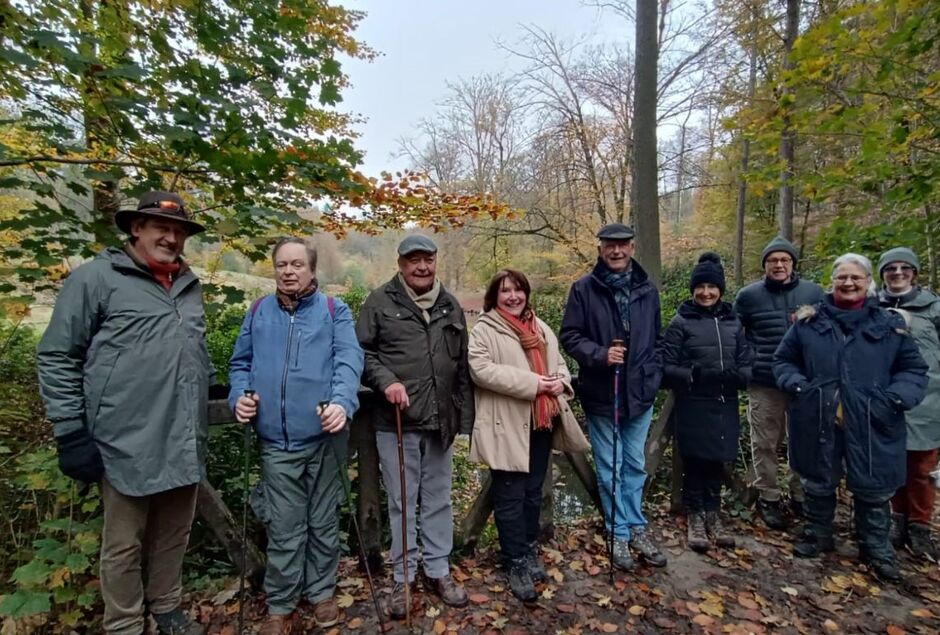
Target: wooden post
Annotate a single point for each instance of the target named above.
(468, 533)
(369, 510)
(585, 473)
(547, 511)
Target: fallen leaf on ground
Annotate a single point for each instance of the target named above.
(831, 626)
(637, 610)
(607, 627)
(565, 608)
(895, 630)
(354, 623)
(432, 611)
(479, 598)
(703, 620)
(344, 600)
(789, 590)
(922, 613)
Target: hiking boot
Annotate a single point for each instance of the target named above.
(623, 560)
(698, 536)
(396, 604)
(520, 580)
(898, 530)
(536, 570)
(277, 625)
(649, 552)
(326, 613)
(771, 512)
(716, 530)
(451, 593)
(813, 543)
(176, 623)
(885, 569)
(919, 540)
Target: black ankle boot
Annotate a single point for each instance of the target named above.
(873, 527)
(520, 580)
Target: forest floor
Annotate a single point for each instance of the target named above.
(756, 588)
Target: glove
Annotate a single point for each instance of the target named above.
(79, 457)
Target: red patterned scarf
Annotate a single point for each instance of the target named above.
(545, 407)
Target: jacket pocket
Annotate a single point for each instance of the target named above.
(453, 339)
(810, 427)
(882, 414)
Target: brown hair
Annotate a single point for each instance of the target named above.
(492, 289)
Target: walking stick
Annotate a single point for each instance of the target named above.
(613, 484)
(347, 489)
(246, 449)
(404, 516)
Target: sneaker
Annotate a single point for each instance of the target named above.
(451, 593)
(277, 625)
(919, 540)
(697, 535)
(623, 559)
(772, 514)
(536, 570)
(396, 604)
(898, 530)
(326, 613)
(520, 580)
(643, 544)
(813, 545)
(716, 530)
(176, 623)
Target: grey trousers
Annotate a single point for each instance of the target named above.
(767, 416)
(301, 494)
(428, 473)
(142, 547)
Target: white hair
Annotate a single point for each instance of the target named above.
(860, 261)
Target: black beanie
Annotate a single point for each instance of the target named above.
(708, 269)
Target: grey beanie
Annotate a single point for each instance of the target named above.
(778, 244)
(898, 254)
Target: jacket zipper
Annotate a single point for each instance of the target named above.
(721, 359)
(290, 337)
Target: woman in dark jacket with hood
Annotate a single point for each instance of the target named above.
(852, 370)
(706, 361)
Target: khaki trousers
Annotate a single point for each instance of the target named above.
(142, 547)
(767, 416)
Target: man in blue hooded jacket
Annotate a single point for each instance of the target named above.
(297, 349)
(617, 301)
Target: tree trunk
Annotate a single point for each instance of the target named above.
(742, 179)
(787, 135)
(645, 194)
(369, 511)
(467, 535)
(929, 228)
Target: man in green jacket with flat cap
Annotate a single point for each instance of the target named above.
(124, 374)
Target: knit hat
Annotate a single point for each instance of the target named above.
(898, 254)
(708, 269)
(778, 244)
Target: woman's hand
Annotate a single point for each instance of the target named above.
(550, 385)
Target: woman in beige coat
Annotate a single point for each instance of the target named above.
(522, 386)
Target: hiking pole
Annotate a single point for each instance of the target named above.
(404, 516)
(246, 449)
(347, 489)
(613, 485)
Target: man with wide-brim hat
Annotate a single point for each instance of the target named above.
(124, 374)
(617, 301)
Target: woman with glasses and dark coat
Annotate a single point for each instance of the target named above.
(852, 370)
(912, 505)
(706, 362)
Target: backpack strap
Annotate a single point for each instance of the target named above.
(254, 305)
(331, 306)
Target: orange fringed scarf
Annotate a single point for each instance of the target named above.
(545, 407)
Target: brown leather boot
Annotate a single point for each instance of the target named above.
(326, 613)
(451, 593)
(277, 625)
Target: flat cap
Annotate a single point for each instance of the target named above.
(616, 231)
(416, 242)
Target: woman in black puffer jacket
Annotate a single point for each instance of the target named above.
(706, 361)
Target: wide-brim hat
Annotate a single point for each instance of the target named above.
(159, 205)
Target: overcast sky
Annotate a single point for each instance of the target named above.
(423, 44)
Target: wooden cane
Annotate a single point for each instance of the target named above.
(404, 516)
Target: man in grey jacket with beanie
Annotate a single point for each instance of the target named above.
(766, 309)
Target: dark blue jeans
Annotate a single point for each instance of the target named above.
(517, 499)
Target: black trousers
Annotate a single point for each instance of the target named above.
(517, 499)
(701, 484)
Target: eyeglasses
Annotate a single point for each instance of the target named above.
(779, 261)
(855, 279)
(171, 206)
(897, 269)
